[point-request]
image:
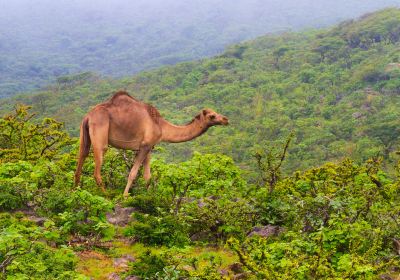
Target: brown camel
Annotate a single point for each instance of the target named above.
(126, 123)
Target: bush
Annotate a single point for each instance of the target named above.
(149, 202)
(203, 175)
(149, 264)
(340, 220)
(165, 230)
(16, 190)
(174, 264)
(86, 214)
(25, 255)
(218, 219)
(22, 182)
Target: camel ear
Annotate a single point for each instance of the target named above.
(204, 112)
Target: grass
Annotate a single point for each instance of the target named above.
(99, 265)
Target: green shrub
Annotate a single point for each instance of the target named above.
(25, 255)
(16, 188)
(86, 214)
(340, 218)
(149, 264)
(22, 182)
(165, 230)
(149, 202)
(218, 219)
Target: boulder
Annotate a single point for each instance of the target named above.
(266, 231)
(121, 215)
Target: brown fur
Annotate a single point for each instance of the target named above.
(127, 123)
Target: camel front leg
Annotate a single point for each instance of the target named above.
(146, 171)
(140, 157)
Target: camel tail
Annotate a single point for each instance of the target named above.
(84, 149)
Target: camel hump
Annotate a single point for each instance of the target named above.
(116, 100)
(119, 94)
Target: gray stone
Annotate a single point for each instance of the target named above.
(132, 277)
(123, 262)
(121, 215)
(113, 276)
(266, 231)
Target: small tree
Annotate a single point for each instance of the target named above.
(269, 162)
(22, 139)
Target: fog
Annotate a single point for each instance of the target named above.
(43, 39)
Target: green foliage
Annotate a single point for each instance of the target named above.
(339, 220)
(218, 219)
(203, 175)
(148, 264)
(22, 182)
(199, 197)
(173, 264)
(25, 255)
(85, 213)
(24, 140)
(165, 229)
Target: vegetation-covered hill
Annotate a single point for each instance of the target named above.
(200, 220)
(336, 89)
(42, 40)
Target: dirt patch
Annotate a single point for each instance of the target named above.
(95, 265)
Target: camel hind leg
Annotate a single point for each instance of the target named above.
(98, 162)
(84, 148)
(99, 137)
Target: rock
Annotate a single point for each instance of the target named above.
(236, 267)
(385, 277)
(37, 220)
(132, 277)
(113, 276)
(266, 231)
(240, 276)
(357, 115)
(396, 244)
(201, 203)
(123, 262)
(223, 272)
(391, 67)
(200, 236)
(121, 216)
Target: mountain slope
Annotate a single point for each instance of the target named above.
(45, 39)
(337, 89)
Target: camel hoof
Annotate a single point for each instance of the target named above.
(126, 195)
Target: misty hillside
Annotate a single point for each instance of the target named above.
(42, 40)
(337, 90)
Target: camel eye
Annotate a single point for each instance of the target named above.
(212, 117)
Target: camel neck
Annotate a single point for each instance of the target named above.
(176, 133)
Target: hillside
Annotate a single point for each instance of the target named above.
(43, 40)
(212, 217)
(337, 90)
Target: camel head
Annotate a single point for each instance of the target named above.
(212, 118)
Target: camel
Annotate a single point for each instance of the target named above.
(127, 123)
